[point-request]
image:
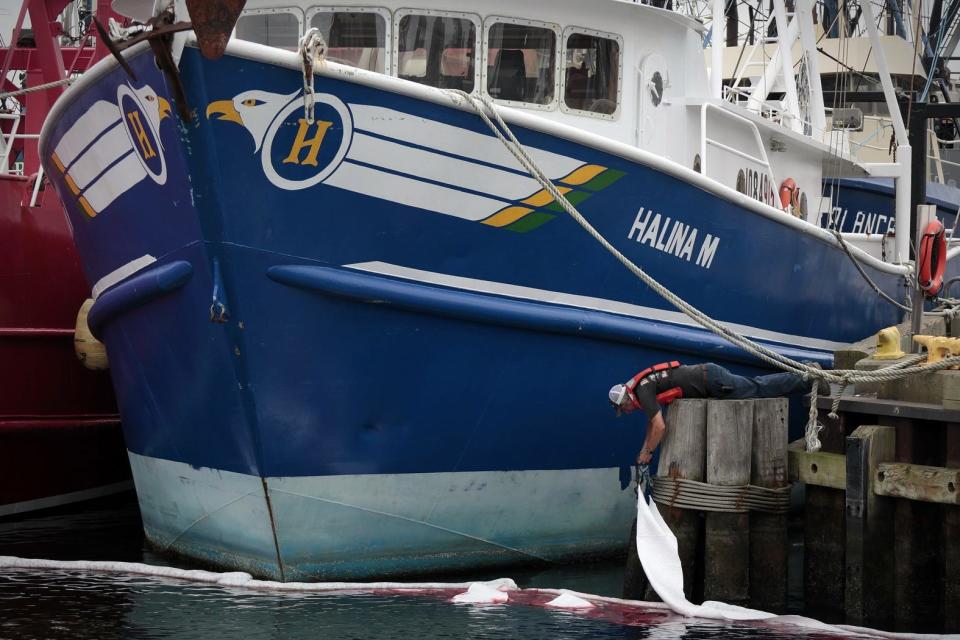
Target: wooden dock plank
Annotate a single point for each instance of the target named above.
(821, 468)
(918, 482)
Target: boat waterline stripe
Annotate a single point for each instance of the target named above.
(584, 302)
(65, 498)
(121, 273)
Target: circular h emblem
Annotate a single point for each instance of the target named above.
(298, 154)
(141, 111)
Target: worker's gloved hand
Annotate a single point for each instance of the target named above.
(644, 457)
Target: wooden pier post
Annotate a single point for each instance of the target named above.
(683, 454)
(768, 532)
(823, 536)
(869, 540)
(951, 541)
(918, 527)
(635, 583)
(727, 538)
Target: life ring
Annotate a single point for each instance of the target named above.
(933, 258)
(788, 189)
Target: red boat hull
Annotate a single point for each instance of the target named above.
(60, 438)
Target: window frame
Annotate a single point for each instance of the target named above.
(296, 11)
(400, 14)
(567, 32)
(488, 23)
(384, 12)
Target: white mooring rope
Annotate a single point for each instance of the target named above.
(39, 87)
(482, 105)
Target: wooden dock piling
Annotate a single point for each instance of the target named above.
(635, 583)
(727, 539)
(823, 533)
(727, 542)
(918, 562)
(951, 537)
(900, 566)
(869, 530)
(768, 532)
(683, 454)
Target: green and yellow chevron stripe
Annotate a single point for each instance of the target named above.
(577, 186)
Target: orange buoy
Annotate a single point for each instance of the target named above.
(787, 190)
(933, 258)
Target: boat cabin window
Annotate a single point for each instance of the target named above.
(437, 50)
(591, 73)
(520, 62)
(355, 38)
(272, 28)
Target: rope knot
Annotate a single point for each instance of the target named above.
(312, 48)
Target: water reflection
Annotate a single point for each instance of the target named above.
(68, 604)
(72, 605)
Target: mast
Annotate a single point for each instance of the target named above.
(44, 62)
(716, 50)
(900, 171)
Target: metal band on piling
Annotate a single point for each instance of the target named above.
(700, 496)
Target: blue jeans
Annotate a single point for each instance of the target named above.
(724, 385)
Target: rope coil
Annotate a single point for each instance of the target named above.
(700, 496)
(483, 105)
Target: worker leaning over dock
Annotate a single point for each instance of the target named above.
(663, 383)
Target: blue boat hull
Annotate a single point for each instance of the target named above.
(349, 353)
(866, 205)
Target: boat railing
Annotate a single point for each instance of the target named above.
(882, 130)
(7, 141)
(768, 110)
(16, 168)
(706, 141)
(772, 111)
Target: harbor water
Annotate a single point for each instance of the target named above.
(45, 603)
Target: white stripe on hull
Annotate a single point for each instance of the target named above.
(116, 181)
(442, 169)
(114, 144)
(121, 273)
(413, 193)
(583, 302)
(91, 124)
(448, 138)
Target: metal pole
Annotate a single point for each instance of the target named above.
(903, 182)
(716, 60)
(786, 63)
(918, 195)
(804, 18)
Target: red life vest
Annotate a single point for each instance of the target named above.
(664, 397)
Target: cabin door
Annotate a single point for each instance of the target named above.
(652, 85)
